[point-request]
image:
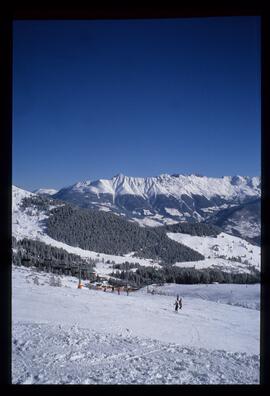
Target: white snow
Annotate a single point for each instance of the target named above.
(147, 212)
(104, 209)
(81, 336)
(49, 191)
(154, 221)
(173, 212)
(17, 195)
(247, 296)
(223, 245)
(226, 186)
(106, 269)
(215, 263)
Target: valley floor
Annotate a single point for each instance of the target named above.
(65, 335)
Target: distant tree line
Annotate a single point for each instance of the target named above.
(126, 266)
(170, 274)
(28, 252)
(194, 229)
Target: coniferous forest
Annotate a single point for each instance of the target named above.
(28, 252)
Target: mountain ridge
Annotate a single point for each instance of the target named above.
(167, 199)
(170, 185)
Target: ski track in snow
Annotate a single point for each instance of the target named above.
(64, 335)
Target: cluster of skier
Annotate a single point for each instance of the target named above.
(118, 289)
(106, 288)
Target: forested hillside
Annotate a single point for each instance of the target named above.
(28, 253)
(108, 233)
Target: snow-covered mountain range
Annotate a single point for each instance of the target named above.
(227, 187)
(169, 199)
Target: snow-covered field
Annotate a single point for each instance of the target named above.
(70, 335)
(220, 251)
(247, 296)
(154, 221)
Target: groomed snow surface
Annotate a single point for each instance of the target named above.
(66, 335)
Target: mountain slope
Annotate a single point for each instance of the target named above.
(98, 236)
(166, 199)
(82, 336)
(92, 230)
(240, 220)
(224, 251)
(107, 233)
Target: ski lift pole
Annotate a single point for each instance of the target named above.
(80, 278)
(127, 280)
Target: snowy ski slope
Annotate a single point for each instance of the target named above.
(81, 336)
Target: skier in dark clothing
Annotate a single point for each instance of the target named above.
(176, 305)
(180, 303)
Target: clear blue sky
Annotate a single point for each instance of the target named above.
(141, 97)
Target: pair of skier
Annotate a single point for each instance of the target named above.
(178, 303)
